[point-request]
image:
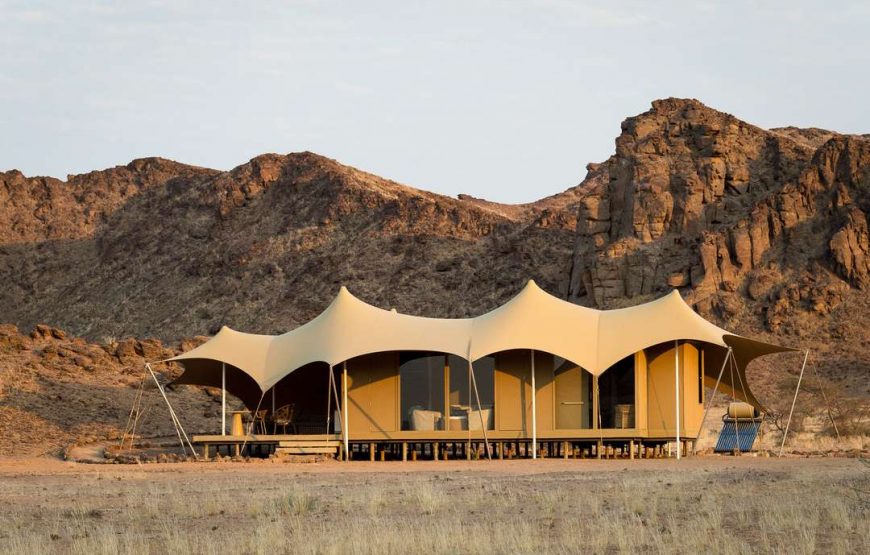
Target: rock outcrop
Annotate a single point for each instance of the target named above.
(57, 390)
(698, 200)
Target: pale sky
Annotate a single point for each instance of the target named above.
(503, 100)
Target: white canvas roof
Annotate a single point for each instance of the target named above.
(534, 319)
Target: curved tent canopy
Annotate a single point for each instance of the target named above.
(347, 328)
(244, 351)
(533, 319)
(202, 371)
(350, 327)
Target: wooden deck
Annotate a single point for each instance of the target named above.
(259, 444)
(447, 445)
(264, 438)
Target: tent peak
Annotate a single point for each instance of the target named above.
(345, 294)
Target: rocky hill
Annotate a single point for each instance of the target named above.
(764, 231)
(157, 249)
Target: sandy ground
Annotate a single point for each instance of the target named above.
(710, 503)
(23, 467)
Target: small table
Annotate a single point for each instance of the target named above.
(237, 428)
(458, 423)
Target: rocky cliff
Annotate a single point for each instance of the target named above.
(697, 199)
(762, 231)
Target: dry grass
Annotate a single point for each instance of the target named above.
(718, 505)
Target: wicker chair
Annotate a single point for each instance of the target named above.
(284, 417)
(259, 421)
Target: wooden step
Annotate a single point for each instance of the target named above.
(309, 443)
(305, 450)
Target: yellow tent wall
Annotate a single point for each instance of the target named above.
(660, 408)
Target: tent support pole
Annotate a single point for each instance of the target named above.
(710, 402)
(250, 431)
(344, 429)
(179, 429)
(596, 408)
(534, 411)
(677, 393)
(596, 416)
(734, 390)
(328, 400)
(273, 399)
(827, 403)
(468, 413)
(479, 408)
(337, 400)
(223, 398)
(791, 412)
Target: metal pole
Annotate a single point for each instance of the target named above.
(796, 389)
(734, 391)
(223, 398)
(534, 411)
(479, 408)
(179, 429)
(827, 403)
(468, 414)
(710, 402)
(596, 405)
(328, 399)
(677, 392)
(596, 415)
(344, 406)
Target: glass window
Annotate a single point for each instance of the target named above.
(616, 395)
(573, 406)
(421, 376)
(463, 404)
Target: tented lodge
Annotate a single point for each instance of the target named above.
(536, 371)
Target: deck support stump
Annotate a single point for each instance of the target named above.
(631, 450)
(598, 447)
(404, 452)
(565, 447)
(434, 451)
(205, 451)
(371, 452)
